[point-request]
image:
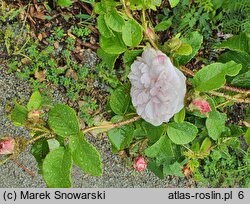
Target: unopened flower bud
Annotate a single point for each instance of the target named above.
(139, 164)
(201, 105)
(34, 115)
(7, 145)
(150, 33)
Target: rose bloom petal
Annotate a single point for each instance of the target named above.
(158, 88)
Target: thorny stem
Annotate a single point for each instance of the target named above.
(222, 104)
(36, 138)
(23, 167)
(232, 98)
(12, 157)
(113, 125)
(226, 87)
(106, 127)
(144, 23)
(145, 27)
(142, 146)
(39, 130)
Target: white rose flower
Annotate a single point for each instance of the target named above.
(158, 88)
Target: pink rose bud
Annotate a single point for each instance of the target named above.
(150, 33)
(202, 105)
(139, 163)
(7, 145)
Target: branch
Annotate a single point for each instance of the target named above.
(114, 125)
(145, 27)
(36, 138)
(23, 167)
(225, 87)
(232, 98)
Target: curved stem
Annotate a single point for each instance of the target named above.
(113, 125)
(232, 98)
(145, 27)
(36, 138)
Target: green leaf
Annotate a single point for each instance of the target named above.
(180, 116)
(128, 58)
(239, 57)
(242, 80)
(239, 42)
(139, 133)
(108, 59)
(113, 45)
(64, 3)
(18, 115)
(247, 136)
(103, 28)
(54, 143)
(114, 20)
(212, 77)
(39, 150)
(163, 146)
(153, 133)
(181, 133)
(194, 164)
(205, 145)
(185, 49)
(35, 101)
(215, 124)
(163, 25)
(121, 137)
(120, 100)
(146, 4)
(85, 155)
(132, 33)
(83, 16)
(174, 169)
(173, 3)
(104, 7)
(98, 8)
(172, 44)
(56, 168)
(157, 170)
(63, 121)
(194, 39)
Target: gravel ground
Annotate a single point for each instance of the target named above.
(115, 172)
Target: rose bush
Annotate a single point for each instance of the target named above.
(158, 88)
